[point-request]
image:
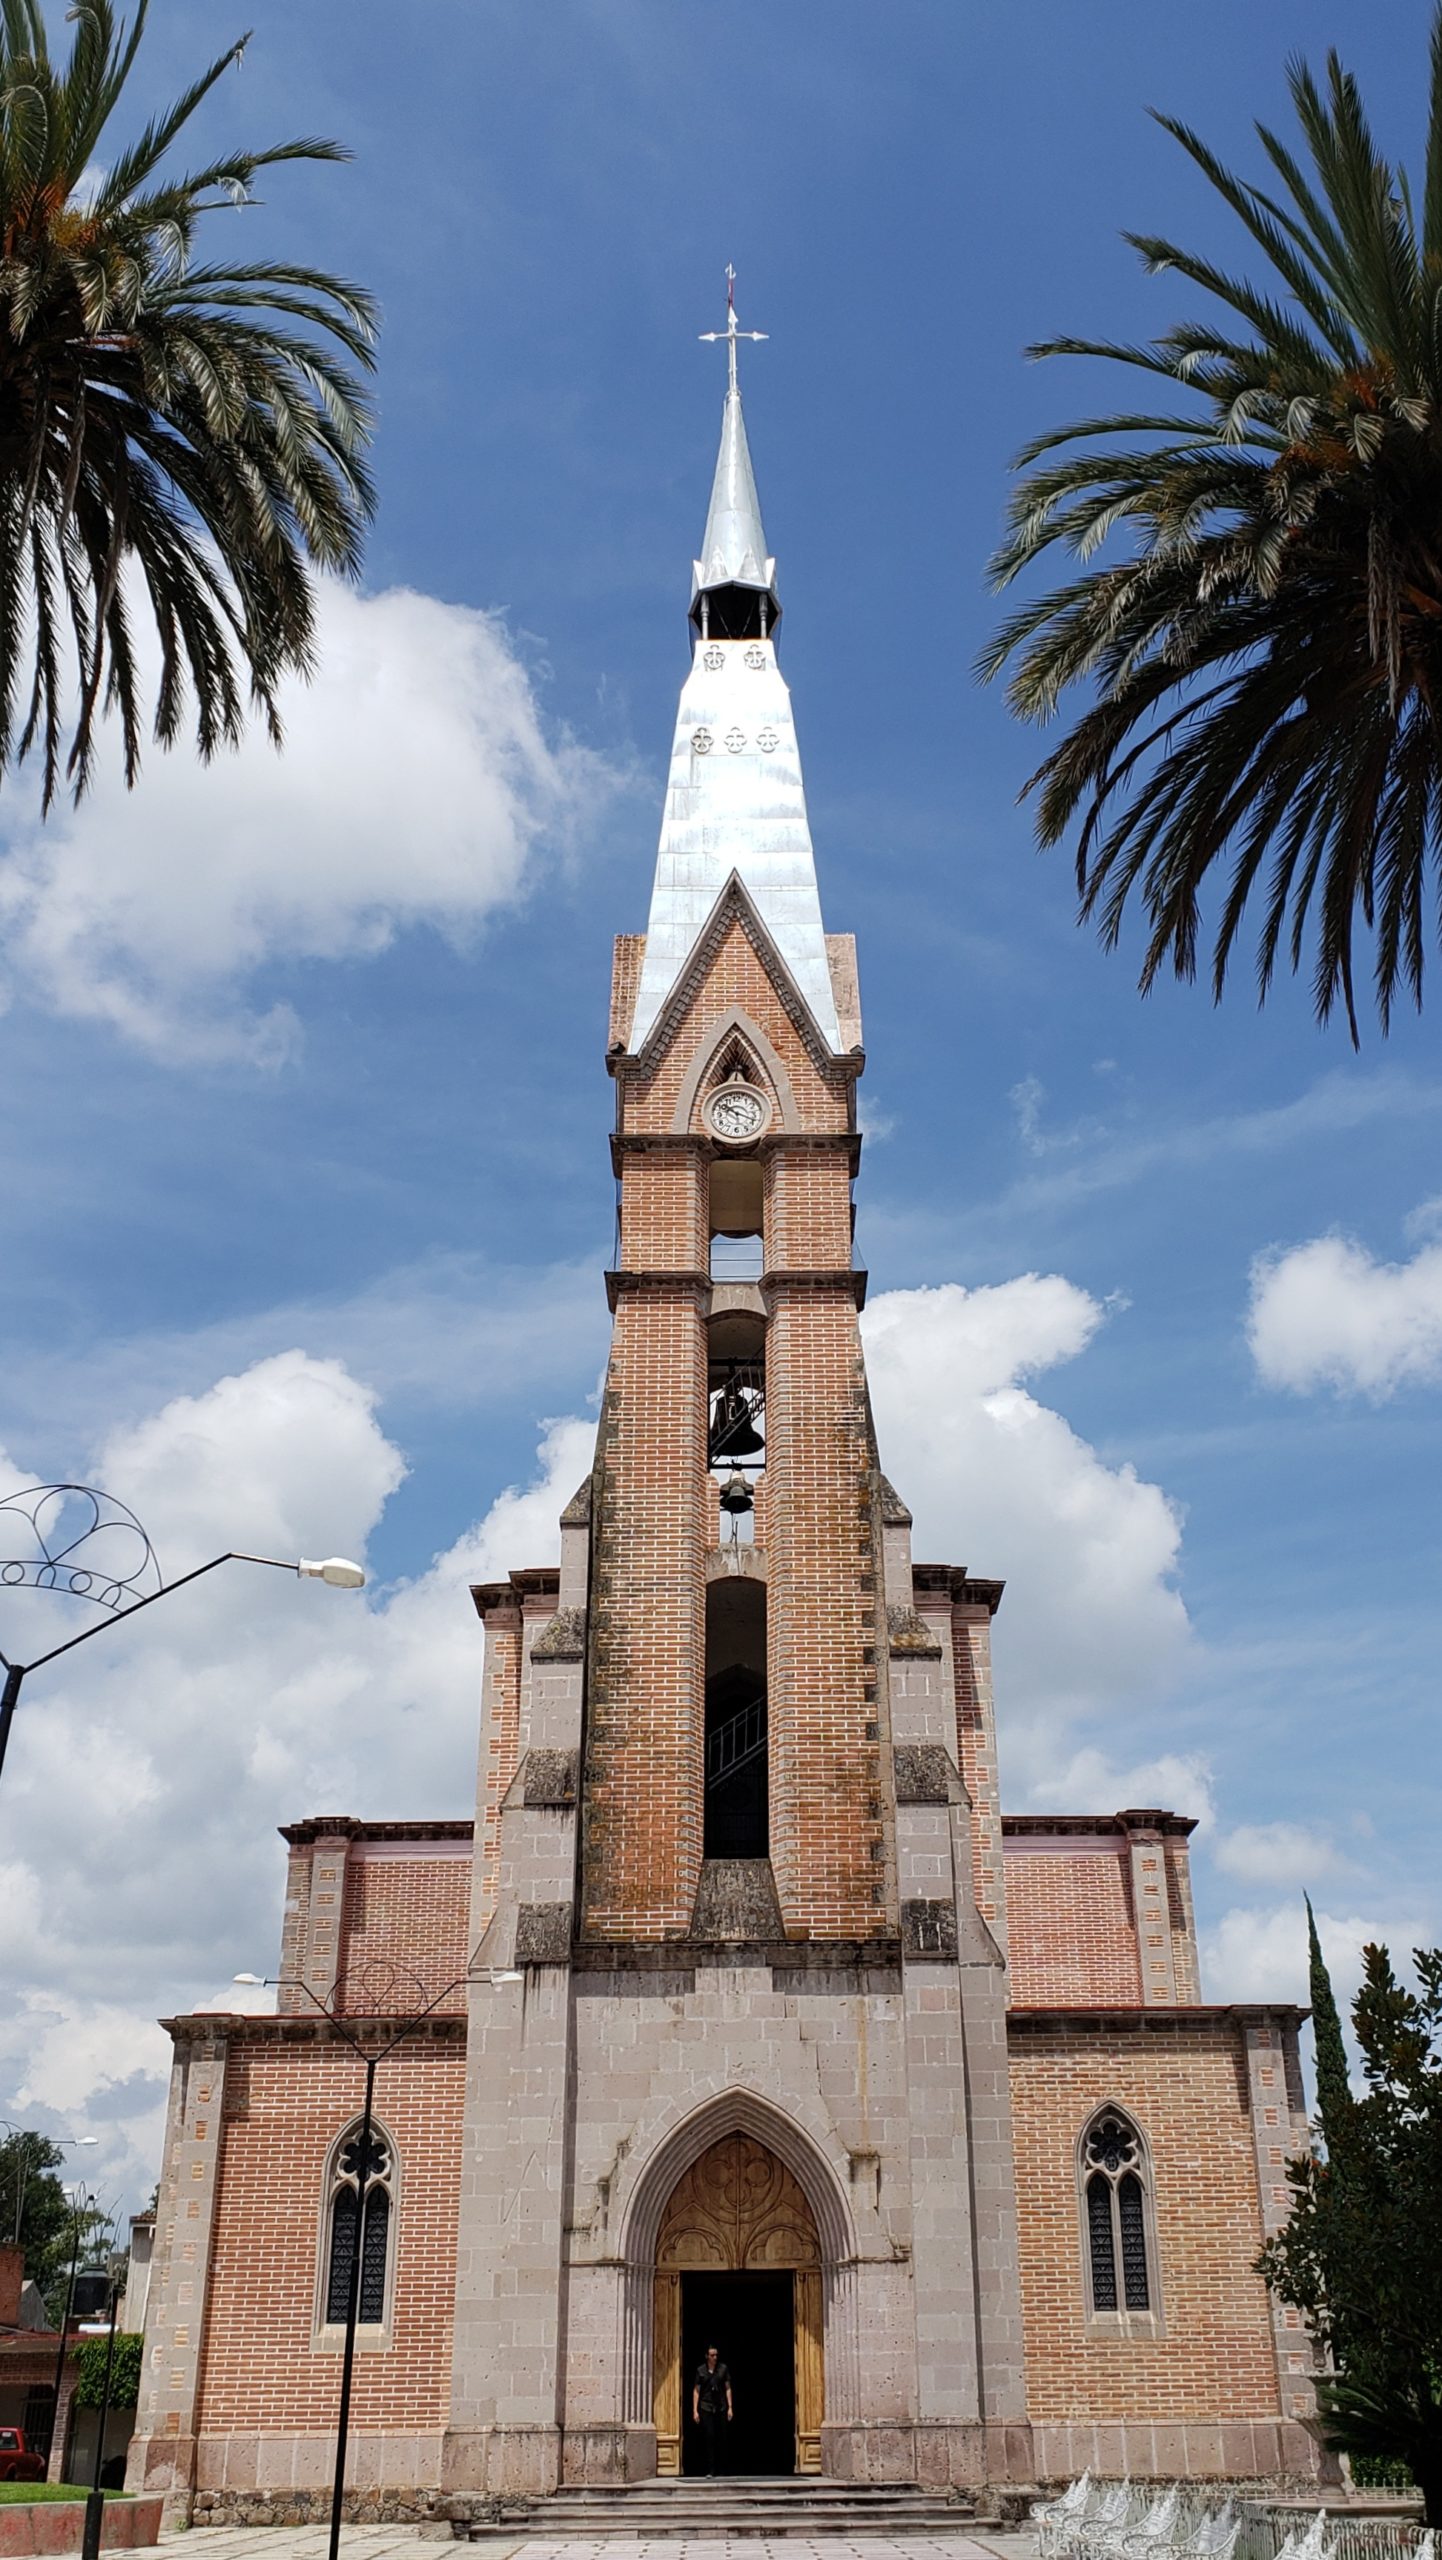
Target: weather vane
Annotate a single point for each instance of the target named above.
(730, 337)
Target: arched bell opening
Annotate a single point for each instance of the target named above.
(739, 2267)
(736, 1816)
(736, 1211)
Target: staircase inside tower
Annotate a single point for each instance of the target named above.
(736, 1822)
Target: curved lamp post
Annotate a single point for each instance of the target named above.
(84, 1543)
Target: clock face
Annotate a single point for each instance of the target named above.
(736, 1112)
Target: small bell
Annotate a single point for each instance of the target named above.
(736, 1494)
(733, 1433)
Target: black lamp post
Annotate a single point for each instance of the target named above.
(100, 1553)
(95, 2500)
(81, 2211)
(368, 2156)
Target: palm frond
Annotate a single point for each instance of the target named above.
(178, 439)
(1257, 614)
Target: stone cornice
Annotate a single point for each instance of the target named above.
(1114, 2019)
(962, 1589)
(1118, 1826)
(537, 1582)
(345, 1826)
(837, 1278)
(626, 1142)
(232, 2026)
(697, 1282)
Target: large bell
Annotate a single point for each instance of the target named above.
(733, 1433)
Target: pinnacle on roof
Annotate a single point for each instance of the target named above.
(733, 548)
(735, 802)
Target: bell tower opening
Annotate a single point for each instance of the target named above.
(737, 1823)
(736, 1206)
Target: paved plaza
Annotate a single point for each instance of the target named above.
(408, 2542)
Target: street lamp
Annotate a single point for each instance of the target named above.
(108, 1560)
(61, 2142)
(365, 2148)
(82, 2212)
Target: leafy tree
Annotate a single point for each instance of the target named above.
(28, 2162)
(124, 2374)
(1265, 665)
(179, 441)
(1361, 2254)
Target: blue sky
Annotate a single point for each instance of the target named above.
(303, 1062)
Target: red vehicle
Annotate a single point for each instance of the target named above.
(17, 2462)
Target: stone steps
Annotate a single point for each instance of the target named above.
(732, 2506)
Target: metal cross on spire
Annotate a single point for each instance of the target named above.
(730, 337)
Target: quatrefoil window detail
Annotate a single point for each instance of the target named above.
(1112, 2145)
(755, 657)
(767, 740)
(701, 742)
(735, 741)
(713, 661)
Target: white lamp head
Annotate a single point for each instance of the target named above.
(338, 1571)
(253, 1980)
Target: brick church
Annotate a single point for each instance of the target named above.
(752, 2018)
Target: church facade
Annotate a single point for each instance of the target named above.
(750, 2018)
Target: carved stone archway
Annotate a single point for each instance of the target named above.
(738, 2209)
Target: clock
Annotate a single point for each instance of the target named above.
(736, 1113)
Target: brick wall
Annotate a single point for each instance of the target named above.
(406, 1917)
(1100, 1909)
(827, 1840)
(641, 1841)
(1070, 1928)
(735, 975)
(286, 2098)
(1185, 2085)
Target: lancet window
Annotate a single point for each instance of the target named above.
(359, 2220)
(1117, 2224)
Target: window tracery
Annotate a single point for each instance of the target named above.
(1116, 2216)
(359, 2218)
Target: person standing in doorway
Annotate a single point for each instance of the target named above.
(712, 2409)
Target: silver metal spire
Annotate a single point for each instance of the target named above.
(735, 802)
(733, 550)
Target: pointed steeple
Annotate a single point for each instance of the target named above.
(736, 805)
(733, 550)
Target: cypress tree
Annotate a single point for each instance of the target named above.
(1334, 2089)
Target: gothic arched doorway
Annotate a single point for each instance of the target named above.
(737, 2254)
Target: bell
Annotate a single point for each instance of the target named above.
(733, 1434)
(736, 1495)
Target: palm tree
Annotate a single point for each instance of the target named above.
(178, 442)
(1265, 664)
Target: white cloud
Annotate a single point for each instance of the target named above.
(1262, 1955)
(1091, 1782)
(139, 1868)
(147, 1772)
(998, 1481)
(1328, 1314)
(418, 786)
(1281, 1854)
